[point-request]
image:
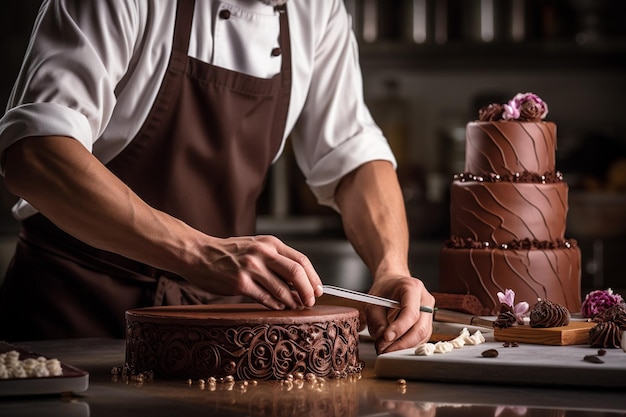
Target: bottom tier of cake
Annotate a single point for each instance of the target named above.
(552, 274)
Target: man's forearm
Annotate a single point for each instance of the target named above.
(374, 218)
(64, 181)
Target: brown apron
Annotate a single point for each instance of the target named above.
(202, 156)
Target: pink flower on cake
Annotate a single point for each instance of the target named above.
(525, 106)
(511, 111)
(519, 309)
(599, 300)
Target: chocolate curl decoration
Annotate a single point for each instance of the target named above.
(531, 111)
(606, 334)
(548, 314)
(506, 317)
(615, 314)
(490, 113)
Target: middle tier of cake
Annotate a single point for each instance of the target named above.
(503, 212)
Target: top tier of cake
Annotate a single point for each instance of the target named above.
(510, 147)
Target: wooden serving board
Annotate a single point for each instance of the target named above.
(575, 333)
(527, 364)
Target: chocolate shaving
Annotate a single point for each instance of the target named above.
(464, 303)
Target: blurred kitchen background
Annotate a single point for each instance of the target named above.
(428, 65)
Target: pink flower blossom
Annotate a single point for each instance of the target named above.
(599, 300)
(525, 106)
(511, 111)
(519, 309)
(507, 297)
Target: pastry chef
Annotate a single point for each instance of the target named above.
(138, 137)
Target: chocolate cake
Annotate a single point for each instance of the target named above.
(245, 341)
(508, 212)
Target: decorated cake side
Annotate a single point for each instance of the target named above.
(508, 211)
(244, 341)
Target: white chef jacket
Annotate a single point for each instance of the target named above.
(93, 69)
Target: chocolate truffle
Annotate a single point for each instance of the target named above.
(548, 314)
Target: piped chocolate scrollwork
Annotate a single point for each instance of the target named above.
(247, 351)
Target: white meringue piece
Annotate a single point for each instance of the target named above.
(458, 342)
(476, 339)
(425, 349)
(12, 367)
(463, 334)
(443, 347)
(464, 337)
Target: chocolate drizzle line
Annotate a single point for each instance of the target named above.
(456, 242)
(521, 177)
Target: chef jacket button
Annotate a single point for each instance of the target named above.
(224, 14)
(276, 52)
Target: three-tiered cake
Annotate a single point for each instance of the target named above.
(508, 212)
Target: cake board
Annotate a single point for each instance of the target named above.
(575, 333)
(527, 364)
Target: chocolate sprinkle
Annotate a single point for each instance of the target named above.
(490, 353)
(592, 359)
(456, 242)
(520, 177)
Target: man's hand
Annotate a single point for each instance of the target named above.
(260, 267)
(406, 327)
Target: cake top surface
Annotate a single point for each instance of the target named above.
(241, 313)
(527, 107)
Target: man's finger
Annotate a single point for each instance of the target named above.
(295, 268)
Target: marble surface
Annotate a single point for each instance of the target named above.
(526, 364)
(369, 395)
